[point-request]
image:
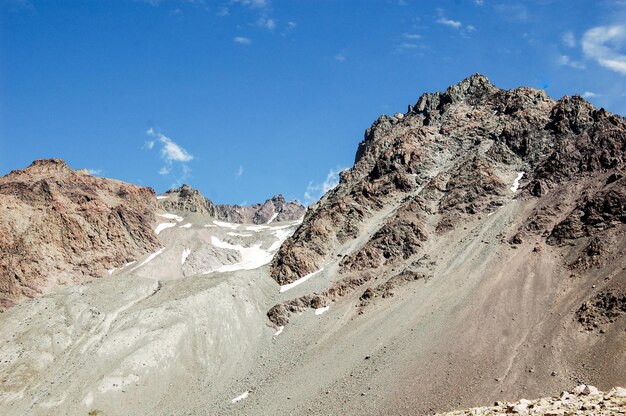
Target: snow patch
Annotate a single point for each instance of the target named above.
(320, 311)
(273, 217)
(516, 182)
(225, 224)
(163, 197)
(256, 228)
(150, 257)
(188, 225)
(251, 257)
(209, 225)
(281, 235)
(171, 217)
(279, 331)
(240, 397)
(186, 253)
(301, 280)
(111, 271)
(163, 226)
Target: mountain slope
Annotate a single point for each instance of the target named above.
(60, 226)
(474, 253)
(275, 209)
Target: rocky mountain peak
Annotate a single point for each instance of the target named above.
(278, 199)
(188, 199)
(455, 156)
(58, 226)
(50, 167)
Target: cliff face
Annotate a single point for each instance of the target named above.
(60, 226)
(459, 156)
(275, 209)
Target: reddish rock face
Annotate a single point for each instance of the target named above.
(275, 209)
(60, 226)
(452, 156)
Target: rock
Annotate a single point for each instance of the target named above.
(475, 131)
(63, 226)
(277, 209)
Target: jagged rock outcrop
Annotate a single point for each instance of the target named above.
(459, 156)
(583, 400)
(60, 226)
(187, 199)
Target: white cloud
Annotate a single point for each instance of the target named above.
(406, 45)
(479, 2)
(94, 172)
(266, 23)
(314, 191)
(255, 4)
(170, 152)
(567, 61)
(340, 58)
(411, 36)
(449, 22)
(568, 39)
(602, 44)
(242, 40)
(240, 171)
(589, 94)
(223, 11)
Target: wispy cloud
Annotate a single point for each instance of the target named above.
(242, 40)
(340, 58)
(568, 39)
(314, 191)
(266, 23)
(253, 3)
(170, 152)
(411, 36)
(479, 2)
(156, 3)
(590, 94)
(94, 172)
(454, 24)
(239, 171)
(449, 22)
(601, 43)
(567, 61)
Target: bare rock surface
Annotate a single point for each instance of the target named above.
(275, 209)
(59, 226)
(583, 400)
(475, 252)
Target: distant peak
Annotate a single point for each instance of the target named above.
(475, 85)
(53, 163)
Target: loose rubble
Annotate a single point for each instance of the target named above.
(582, 400)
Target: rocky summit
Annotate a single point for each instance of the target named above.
(187, 199)
(474, 254)
(59, 226)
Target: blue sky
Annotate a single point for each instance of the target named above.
(245, 99)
